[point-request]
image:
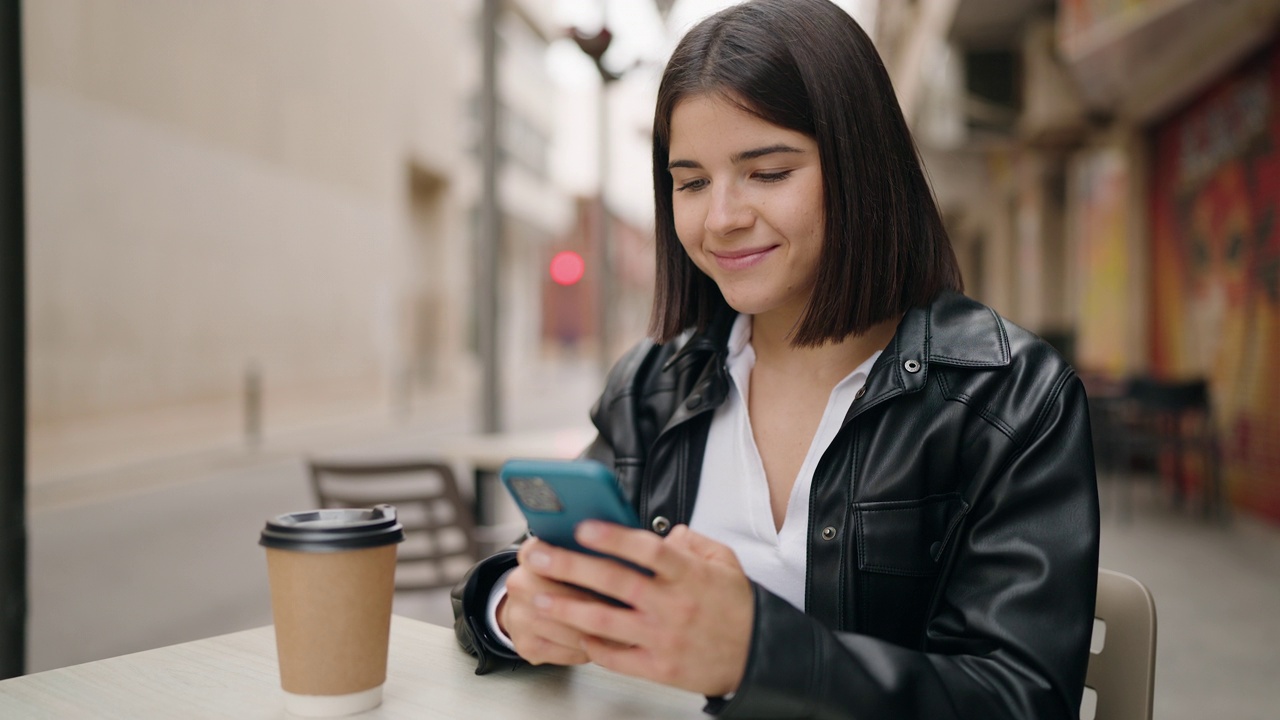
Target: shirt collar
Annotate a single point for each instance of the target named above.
(739, 337)
(741, 355)
(863, 370)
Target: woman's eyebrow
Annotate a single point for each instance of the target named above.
(740, 157)
(761, 152)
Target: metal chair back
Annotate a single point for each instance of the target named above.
(439, 528)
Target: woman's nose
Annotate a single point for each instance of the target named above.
(728, 211)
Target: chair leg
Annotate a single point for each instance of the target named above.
(1179, 476)
(1125, 492)
(1215, 504)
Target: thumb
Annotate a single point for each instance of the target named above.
(702, 546)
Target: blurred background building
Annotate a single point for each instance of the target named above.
(249, 217)
(1109, 171)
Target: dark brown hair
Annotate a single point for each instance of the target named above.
(807, 66)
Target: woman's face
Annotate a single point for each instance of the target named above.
(747, 200)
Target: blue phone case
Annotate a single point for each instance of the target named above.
(583, 490)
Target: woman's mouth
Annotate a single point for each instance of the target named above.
(742, 259)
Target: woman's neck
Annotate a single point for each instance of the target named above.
(827, 363)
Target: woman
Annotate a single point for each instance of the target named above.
(869, 496)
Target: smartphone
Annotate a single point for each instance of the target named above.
(556, 495)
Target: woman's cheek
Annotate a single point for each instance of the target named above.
(688, 240)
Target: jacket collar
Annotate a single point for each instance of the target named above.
(710, 340)
(953, 330)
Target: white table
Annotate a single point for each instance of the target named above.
(428, 676)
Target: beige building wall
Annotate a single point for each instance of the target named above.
(215, 185)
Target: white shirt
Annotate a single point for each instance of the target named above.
(733, 505)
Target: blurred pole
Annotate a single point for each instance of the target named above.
(490, 240)
(13, 351)
(253, 404)
(604, 254)
(595, 47)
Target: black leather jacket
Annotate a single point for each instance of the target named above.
(953, 525)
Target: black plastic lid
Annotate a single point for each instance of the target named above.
(333, 530)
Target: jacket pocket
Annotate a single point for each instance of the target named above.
(907, 537)
(900, 548)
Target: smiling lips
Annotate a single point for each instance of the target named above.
(742, 259)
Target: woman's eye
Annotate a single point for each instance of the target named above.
(771, 177)
(691, 185)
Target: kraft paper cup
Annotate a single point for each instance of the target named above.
(332, 575)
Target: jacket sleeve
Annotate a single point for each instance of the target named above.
(469, 599)
(1009, 632)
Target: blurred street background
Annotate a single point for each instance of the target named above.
(259, 233)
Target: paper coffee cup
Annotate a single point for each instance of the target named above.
(332, 575)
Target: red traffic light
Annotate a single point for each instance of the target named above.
(567, 267)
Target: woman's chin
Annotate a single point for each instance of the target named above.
(752, 303)
(746, 306)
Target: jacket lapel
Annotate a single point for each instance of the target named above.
(953, 330)
(707, 349)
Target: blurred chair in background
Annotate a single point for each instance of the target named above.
(1111, 417)
(439, 528)
(1120, 681)
(1145, 427)
(1175, 425)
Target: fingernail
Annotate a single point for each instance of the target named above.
(541, 601)
(540, 559)
(589, 531)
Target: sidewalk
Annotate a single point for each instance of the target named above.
(98, 459)
(1216, 589)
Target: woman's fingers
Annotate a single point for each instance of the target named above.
(689, 624)
(605, 576)
(694, 629)
(639, 547)
(537, 638)
(527, 548)
(701, 546)
(593, 619)
(540, 651)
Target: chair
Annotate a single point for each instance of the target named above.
(1120, 681)
(1177, 423)
(439, 528)
(1109, 415)
(1153, 428)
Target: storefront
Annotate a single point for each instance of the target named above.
(1215, 265)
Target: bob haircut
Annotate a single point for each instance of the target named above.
(807, 66)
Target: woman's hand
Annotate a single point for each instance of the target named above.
(537, 639)
(689, 626)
